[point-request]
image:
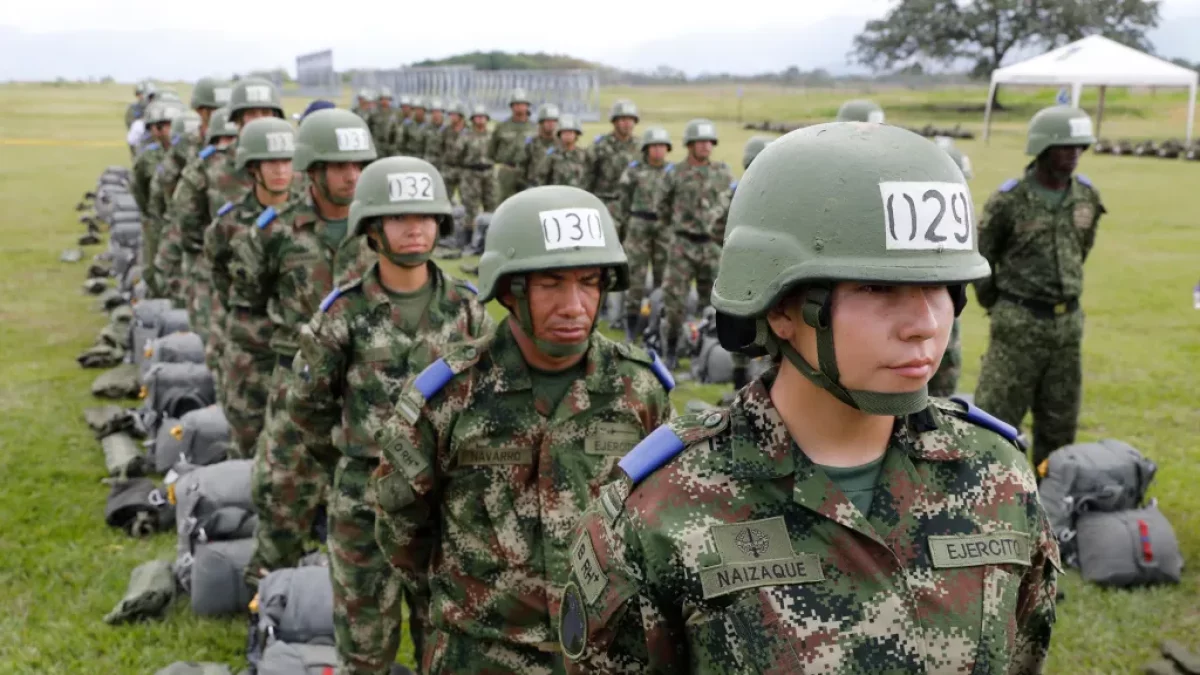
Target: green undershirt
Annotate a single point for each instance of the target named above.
(1050, 197)
(412, 304)
(334, 232)
(553, 386)
(857, 482)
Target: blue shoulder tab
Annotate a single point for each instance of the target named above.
(733, 186)
(207, 152)
(153, 146)
(661, 371)
(633, 164)
(174, 139)
(1085, 180)
(670, 167)
(598, 138)
(433, 378)
(265, 218)
(1009, 184)
(528, 140)
(471, 286)
(655, 450)
(328, 301)
(984, 419)
(550, 151)
(225, 209)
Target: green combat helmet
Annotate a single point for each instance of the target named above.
(185, 121)
(518, 95)
(964, 163)
(547, 111)
(332, 135)
(385, 92)
(253, 92)
(480, 109)
(1057, 126)
(219, 126)
(700, 129)
(263, 139)
(162, 111)
(754, 146)
(548, 228)
(569, 123)
(167, 95)
(210, 93)
(394, 186)
(405, 99)
(418, 102)
(656, 136)
(842, 202)
(367, 94)
(623, 108)
(435, 103)
(456, 108)
(860, 110)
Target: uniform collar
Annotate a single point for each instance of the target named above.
(378, 296)
(510, 372)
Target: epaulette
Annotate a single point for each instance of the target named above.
(1085, 180)
(467, 285)
(670, 168)
(549, 151)
(980, 417)
(153, 146)
(266, 217)
(666, 442)
(329, 300)
(528, 139)
(207, 152)
(1009, 184)
(598, 138)
(649, 358)
(733, 186)
(225, 209)
(633, 163)
(174, 139)
(430, 381)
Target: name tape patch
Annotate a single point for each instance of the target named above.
(612, 439)
(756, 553)
(495, 456)
(281, 141)
(406, 187)
(927, 216)
(979, 549)
(352, 139)
(569, 228)
(587, 569)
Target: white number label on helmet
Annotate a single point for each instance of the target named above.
(191, 125)
(875, 117)
(568, 228)
(1080, 126)
(221, 94)
(927, 216)
(705, 130)
(258, 94)
(407, 187)
(281, 141)
(352, 139)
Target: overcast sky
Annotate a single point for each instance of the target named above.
(363, 33)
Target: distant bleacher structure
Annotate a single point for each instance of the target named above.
(316, 76)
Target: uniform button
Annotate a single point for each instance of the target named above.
(713, 420)
(469, 352)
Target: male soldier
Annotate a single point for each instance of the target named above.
(380, 119)
(508, 139)
(412, 144)
(158, 117)
(1037, 232)
(365, 103)
(285, 268)
(945, 380)
(566, 164)
(499, 446)
(536, 145)
(367, 338)
(168, 263)
(474, 162)
(185, 142)
(451, 147)
(834, 518)
(208, 95)
(860, 110)
(646, 242)
(134, 110)
(435, 143)
(610, 155)
(692, 197)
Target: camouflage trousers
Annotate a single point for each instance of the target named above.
(453, 653)
(945, 381)
(478, 193)
(646, 246)
(245, 386)
(451, 177)
(508, 182)
(171, 264)
(367, 591)
(1034, 363)
(151, 236)
(688, 260)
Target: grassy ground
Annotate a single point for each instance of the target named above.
(61, 569)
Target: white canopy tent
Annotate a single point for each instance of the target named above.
(1095, 61)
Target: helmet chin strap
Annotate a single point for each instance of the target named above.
(816, 313)
(402, 259)
(556, 350)
(258, 180)
(322, 182)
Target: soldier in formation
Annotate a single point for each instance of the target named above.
(185, 139)
(506, 144)
(566, 164)
(474, 161)
(537, 145)
(451, 147)
(433, 130)
(380, 119)
(158, 118)
(412, 143)
(646, 241)
(611, 154)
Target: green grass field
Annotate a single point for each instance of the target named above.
(62, 569)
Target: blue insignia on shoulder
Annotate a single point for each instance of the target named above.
(633, 164)
(207, 152)
(984, 419)
(661, 371)
(433, 378)
(549, 151)
(266, 217)
(598, 138)
(225, 209)
(528, 140)
(153, 146)
(733, 186)
(1085, 180)
(670, 167)
(333, 295)
(174, 139)
(655, 450)
(471, 286)
(1009, 184)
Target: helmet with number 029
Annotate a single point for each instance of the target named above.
(754, 146)
(396, 186)
(253, 92)
(547, 228)
(265, 138)
(964, 163)
(219, 126)
(860, 110)
(842, 202)
(700, 129)
(333, 135)
(210, 93)
(1057, 126)
(623, 108)
(656, 136)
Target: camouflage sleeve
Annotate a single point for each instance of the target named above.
(664, 200)
(190, 206)
(479, 322)
(168, 260)
(1089, 234)
(720, 216)
(216, 250)
(625, 187)
(250, 279)
(405, 501)
(611, 621)
(545, 170)
(993, 231)
(313, 401)
(140, 185)
(493, 144)
(1035, 615)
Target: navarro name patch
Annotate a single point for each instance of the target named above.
(495, 456)
(971, 550)
(756, 553)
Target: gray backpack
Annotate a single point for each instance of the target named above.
(123, 456)
(296, 605)
(714, 364)
(174, 347)
(1135, 547)
(174, 390)
(173, 321)
(194, 668)
(198, 495)
(216, 577)
(146, 317)
(126, 234)
(282, 658)
(205, 435)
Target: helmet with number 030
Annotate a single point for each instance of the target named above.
(480, 109)
(700, 129)
(656, 136)
(518, 95)
(623, 108)
(964, 163)
(753, 146)
(263, 139)
(860, 110)
(210, 93)
(569, 123)
(1057, 126)
(547, 111)
(385, 92)
(219, 126)
(253, 92)
(333, 135)
(186, 121)
(397, 186)
(547, 228)
(161, 111)
(842, 202)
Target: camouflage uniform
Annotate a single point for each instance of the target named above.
(564, 167)
(435, 147)
(535, 150)
(945, 381)
(646, 241)
(610, 157)
(452, 152)
(505, 148)
(740, 555)
(475, 172)
(143, 171)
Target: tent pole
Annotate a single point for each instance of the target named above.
(1076, 93)
(987, 111)
(1100, 109)
(1191, 116)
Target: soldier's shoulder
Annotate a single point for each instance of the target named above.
(225, 208)
(1087, 185)
(207, 152)
(266, 217)
(974, 429)
(639, 358)
(1008, 185)
(457, 362)
(339, 298)
(685, 435)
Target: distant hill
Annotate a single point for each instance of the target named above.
(497, 60)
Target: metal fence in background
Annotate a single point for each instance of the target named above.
(316, 76)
